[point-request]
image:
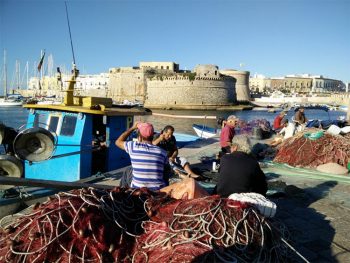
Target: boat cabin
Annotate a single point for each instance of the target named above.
(72, 142)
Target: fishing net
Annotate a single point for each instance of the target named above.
(209, 229)
(125, 225)
(86, 225)
(306, 150)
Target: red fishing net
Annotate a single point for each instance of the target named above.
(125, 225)
(208, 229)
(302, 151)
(86, 225)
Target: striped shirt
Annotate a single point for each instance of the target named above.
(148, 163)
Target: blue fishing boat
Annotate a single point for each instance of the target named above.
(69, 142)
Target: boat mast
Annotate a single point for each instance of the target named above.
(27, 67)
(5, 76)
(18, 73)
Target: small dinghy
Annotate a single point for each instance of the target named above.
(204, 132)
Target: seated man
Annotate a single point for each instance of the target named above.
(239, 171)
(147, 160)
(166, 140)
(300, 119)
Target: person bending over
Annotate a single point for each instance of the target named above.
(239, 171)
(167, 141)
(277, 123)
(147, 160)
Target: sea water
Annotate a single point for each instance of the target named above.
(16, 117)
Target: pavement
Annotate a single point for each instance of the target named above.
(315, 211)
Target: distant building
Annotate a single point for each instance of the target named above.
(291, 84)
(259, 83)
(89, 85)
(171, 66)
(303, 83)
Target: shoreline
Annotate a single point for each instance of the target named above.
(203, 107)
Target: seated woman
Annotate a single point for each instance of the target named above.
(287, 131)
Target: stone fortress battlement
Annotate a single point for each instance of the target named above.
(163, 85)
(158, 85)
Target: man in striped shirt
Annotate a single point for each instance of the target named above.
(147, 160)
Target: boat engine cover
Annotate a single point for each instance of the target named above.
(34, 144)
(10, 166)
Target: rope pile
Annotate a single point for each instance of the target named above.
(125, 225)
(301, 151)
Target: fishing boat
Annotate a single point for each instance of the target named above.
(62, 143)
(204, 131)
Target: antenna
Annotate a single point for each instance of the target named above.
(70, 35)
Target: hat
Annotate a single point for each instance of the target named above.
(232, 117)
(146, 129)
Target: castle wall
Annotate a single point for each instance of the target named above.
(127, 84)
(181, 92)
(242, 83)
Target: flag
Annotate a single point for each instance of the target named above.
(41, 62)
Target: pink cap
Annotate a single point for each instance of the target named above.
(145, 129)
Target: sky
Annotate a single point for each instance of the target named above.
(269, 37)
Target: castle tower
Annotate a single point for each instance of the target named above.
(242, 83)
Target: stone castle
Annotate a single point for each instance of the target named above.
(159, 85)
(163, 85)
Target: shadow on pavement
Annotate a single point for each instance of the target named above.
(311, 233)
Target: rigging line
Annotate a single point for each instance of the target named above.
(70, 34)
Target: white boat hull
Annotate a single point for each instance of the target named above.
(204, 134)
(343, 108)
(10, 103)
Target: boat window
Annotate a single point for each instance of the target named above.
(68, 125)
(53, 123)
(40, 120)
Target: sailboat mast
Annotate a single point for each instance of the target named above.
(5, 76)
(27, 67)
(18, 73)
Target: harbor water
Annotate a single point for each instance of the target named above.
(16, 117)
